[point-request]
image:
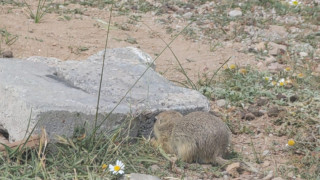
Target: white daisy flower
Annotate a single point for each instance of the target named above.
(118, 168)
(266, 78)
(281, 82)
(294, 2)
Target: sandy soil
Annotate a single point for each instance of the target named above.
(66, 39)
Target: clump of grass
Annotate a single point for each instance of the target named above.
(40, 12)
(75, 158)
(244, 84)
(239, 85)
(78, 157)
(7, 37)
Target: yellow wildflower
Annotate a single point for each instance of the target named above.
(104, 166)
(300, 75)
(232, 66)
(287, 69)
(291, 142)
(243, 71)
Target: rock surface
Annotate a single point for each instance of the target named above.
(137, 176)
(62, 95)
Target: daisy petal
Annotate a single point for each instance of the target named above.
(111, 167)
(119, 163)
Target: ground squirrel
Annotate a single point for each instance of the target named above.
(197, 137)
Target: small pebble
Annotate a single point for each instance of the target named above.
(294, 98)
(303, 54)
(281, 97)
(249, 116)
(235, 13)
(266, 164)
(265, 152)
(7, 54)
(277, 178)
(273, 112)
(262, 101)
(269, 176)
(187, 15)
(221, 103)
(154, 168)
(137, 176)
(255, 111)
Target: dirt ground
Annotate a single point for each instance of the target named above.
(64, 39)
(75, 36)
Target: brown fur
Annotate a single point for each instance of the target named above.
(197, 137)
(163, 128)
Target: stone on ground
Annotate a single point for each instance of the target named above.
(137, 176)
(235, 13)
(62, 95)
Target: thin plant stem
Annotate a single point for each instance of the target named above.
(28, 124)
(254, 152)
(193, 86)
(216, 72)
(102, 71)
(17, 149)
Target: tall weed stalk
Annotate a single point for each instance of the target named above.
(102, 72)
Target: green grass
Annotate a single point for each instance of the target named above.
(41, 10)
(71, 158)
(6, 37)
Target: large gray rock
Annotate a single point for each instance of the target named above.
(62, 95)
